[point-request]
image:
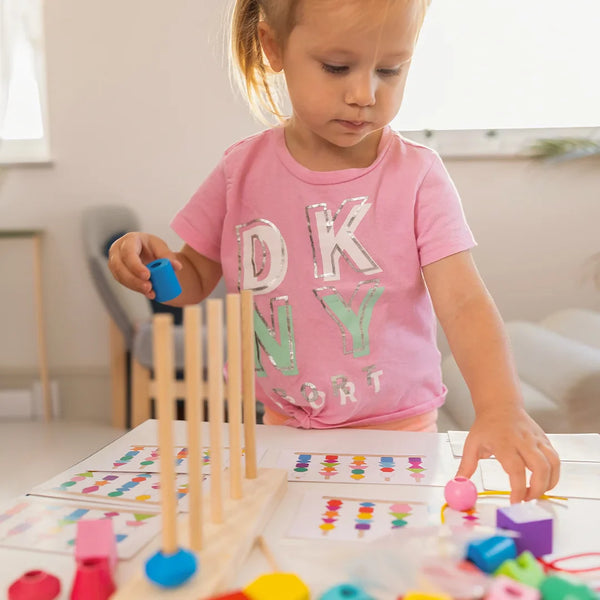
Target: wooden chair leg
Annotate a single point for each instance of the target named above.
(118, 376)
(140, 393)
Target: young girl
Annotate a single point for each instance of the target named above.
(350, 236)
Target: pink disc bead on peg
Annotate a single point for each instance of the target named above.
(460, 493)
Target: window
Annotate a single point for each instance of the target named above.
(23, 120)
(489, 76)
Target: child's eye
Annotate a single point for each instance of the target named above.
(389, 72)
(335, 69)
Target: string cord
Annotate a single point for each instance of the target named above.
(551, 565)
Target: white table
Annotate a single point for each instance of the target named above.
(319, 563)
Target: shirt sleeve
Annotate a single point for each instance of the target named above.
(200, 222)
(440, 225)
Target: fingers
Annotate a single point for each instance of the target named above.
(518, 480)
(129, 255)
(159, 249)
(553, 460)
(469, 461)
(543, 462)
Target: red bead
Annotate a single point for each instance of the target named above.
(239, 595)
(92, 580)
(34, 585)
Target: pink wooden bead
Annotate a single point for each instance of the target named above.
(96, 539)
(460, 493)
(505, 588)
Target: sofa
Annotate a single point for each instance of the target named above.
(558, 363)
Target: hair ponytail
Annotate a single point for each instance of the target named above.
(255, 78)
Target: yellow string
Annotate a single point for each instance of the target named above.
(499, 493)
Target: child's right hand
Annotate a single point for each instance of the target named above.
(129, 255)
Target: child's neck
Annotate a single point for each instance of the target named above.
(318, 154)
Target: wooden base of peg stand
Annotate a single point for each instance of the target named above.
(223, 529)
(226, 545)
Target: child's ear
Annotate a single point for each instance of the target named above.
(270, 46)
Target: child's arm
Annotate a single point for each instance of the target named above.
(129, 255)
(478, 341)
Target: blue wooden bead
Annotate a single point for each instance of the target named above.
(489, 553)
(164, 281)
(171, 570)
(346, 591)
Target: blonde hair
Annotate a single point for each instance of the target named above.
(263, 88)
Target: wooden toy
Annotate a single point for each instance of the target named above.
(524, 568)
(555, 587)
(92, 580)
(276, 586)
(238, 595)
(533, 524)
(460, 493)
(164, 281)
(489, 553)
(505, 588)
(34, 585)
(346, 591)
(171, 565)
(96, 539)
(224, 528)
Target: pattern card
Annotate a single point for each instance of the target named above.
(48, 525)
(113, 488)
(341, 518)
(577, 480)
(146, 459)
(408, 469)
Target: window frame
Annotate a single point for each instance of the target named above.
(34, 150)
(493, 143)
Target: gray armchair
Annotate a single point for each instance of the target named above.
(130, 318)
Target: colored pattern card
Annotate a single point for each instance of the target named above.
(146, 459)
(49, 525)
(354, 519)
(407, 469)
(112, 488)
(577, 480)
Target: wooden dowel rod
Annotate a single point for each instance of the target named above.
(248, 391)
(234, 392)
(41, 328)
(192, 322)
(164, 369)
(214, 308)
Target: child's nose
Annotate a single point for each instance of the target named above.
(361, 90)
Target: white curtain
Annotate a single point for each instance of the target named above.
(21, 64)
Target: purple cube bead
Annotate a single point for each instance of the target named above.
(533, 523)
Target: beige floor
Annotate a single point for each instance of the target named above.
(31, 452)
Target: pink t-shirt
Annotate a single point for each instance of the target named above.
(345, 330)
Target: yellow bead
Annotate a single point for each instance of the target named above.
(416, 595)
(277, 586)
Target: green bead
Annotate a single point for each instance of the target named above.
(559, 588)
(525, 569)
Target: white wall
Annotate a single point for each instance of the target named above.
(141, 110)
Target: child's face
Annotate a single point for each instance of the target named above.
(345, 64)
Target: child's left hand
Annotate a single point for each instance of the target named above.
(517, 441)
